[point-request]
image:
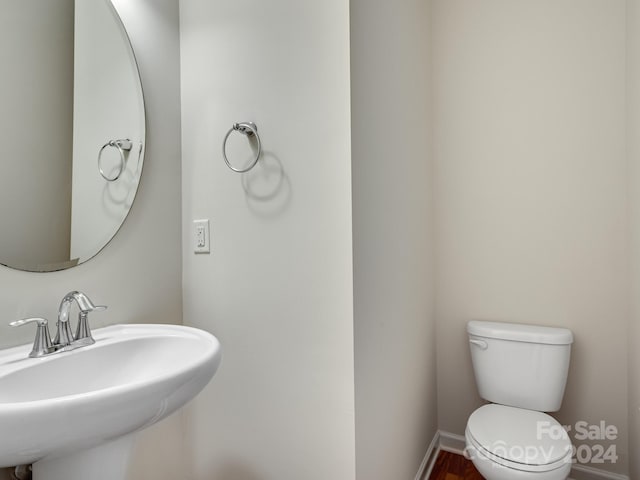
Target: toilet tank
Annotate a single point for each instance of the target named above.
(522, 366)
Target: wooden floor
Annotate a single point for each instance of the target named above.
(450, 466)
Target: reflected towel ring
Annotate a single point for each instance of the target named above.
(249, 129)
(121, 145)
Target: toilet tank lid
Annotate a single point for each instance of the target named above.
(520, 332)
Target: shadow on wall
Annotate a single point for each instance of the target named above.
(267, 187)
(235, 471)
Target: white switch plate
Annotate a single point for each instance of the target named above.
(201, 243)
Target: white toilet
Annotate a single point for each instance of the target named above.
(523, 370)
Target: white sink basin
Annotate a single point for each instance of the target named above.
(54, 408)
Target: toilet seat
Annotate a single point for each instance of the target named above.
(519, 439)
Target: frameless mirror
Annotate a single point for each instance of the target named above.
(72, 130)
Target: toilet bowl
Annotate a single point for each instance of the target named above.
(507, 443)
(523, 370)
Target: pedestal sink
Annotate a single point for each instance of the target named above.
(73, 415)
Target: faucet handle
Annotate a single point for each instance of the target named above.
(42, 343)
(40, 321)
(83, 331)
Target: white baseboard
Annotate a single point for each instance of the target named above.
(450, 442)
(582, 472)
(429, 459)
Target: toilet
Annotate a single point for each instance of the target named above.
(522, 370)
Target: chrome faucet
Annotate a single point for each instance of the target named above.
(83, 332)
(64, 340)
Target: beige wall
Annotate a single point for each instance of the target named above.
(277, 287)
(633, 144)
(531, 191)
(395, 369)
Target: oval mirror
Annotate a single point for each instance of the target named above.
(72, 130)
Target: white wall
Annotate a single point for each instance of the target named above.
(531, 192)
(395, 368)
(36, 47)
(277, 288)
(138, 275)
(633, 145)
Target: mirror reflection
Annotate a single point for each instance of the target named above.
(72, 129)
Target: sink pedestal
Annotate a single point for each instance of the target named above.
(108, 461)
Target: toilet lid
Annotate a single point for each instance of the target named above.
(518, 435)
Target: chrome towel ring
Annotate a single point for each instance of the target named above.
(249, 129)
(121, 145)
